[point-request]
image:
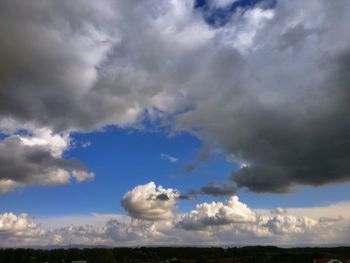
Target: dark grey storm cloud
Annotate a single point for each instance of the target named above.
(288, 122)
(270, 88)
(306, 145)
(228, 188)
(22, 165)
(190, 195)
(217, 189)
(42, 65)
(52, 54)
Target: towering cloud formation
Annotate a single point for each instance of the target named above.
(270, 87)
(150, 202)
(216, 214)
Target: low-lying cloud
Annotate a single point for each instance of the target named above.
(216, 214)
(221, 223)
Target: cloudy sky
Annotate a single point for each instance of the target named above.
(174, 122)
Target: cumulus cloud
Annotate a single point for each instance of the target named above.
(286, 224)
(330, 211)
(56, 143)
(229, 223)
(278, 211)
(18, 228)
(216, 213)
(82, 176)
(243, 225)
(150, 202)
(234, 222)
(37, 159)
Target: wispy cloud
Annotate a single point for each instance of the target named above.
(168, 157)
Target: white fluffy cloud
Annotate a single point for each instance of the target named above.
(150, 202)
(153, 221)
(287, 224)
(82, 176)
(56, 143)
(216, 214)
(250, 227)
(19, 229)
(210, 225)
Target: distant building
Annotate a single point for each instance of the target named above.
(324, 260)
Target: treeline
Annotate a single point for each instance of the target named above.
(254, 254)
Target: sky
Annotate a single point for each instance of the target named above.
(174, 122)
